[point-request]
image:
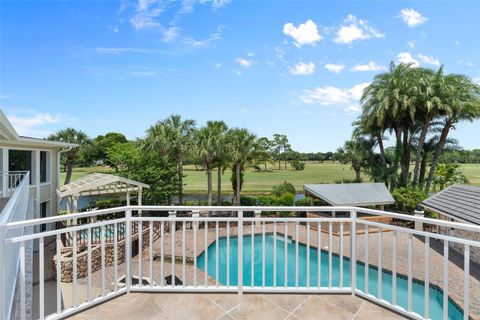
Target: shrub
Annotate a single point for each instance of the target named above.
(306, 202)
(248, 201)
(285, 187)
(406, 199)
(297, 165)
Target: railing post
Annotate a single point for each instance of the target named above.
(353, 250)
(240, 253)
(128, 249)
(3, 302)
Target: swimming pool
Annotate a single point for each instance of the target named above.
(418, 289)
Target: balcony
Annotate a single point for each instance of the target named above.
(241, 262)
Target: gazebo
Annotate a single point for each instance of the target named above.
(99, 184)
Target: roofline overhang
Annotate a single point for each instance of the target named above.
(306, 189)
(447, 214)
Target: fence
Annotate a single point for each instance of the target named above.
(258, 254)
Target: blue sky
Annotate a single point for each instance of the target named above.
(292, 67)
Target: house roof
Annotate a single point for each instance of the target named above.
(351, 194)
(8, 133)
(100, 183)
(458, 201)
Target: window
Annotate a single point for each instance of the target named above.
(20, 160)
(43, 166)
(44, 208)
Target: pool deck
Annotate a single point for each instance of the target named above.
(231, 306)
(456, 275)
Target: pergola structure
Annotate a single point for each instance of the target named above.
(98, 184)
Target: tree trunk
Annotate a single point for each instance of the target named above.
(180, 181)
(406, 158)
(285, 164)
(238, 182)
(382, 149)
(279, 165)
(265, 164)
(423, 170)
(438, 152)
(219, 187)
(418, 156)
(209, 184)
(356, 168)
(69, 166)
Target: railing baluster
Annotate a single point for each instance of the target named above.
(308, 255)
(394, 268)
(330, 241)
(427, 277)
(115, 257)
(263, 254)
(173, 226)
(162, 232)
(89, 262)
(217, 258)
(319, 254)
(228, 253)
(206, 254)
(184, 274)
(41, 281)
(102, 241)
(466, 282)
(22, 280)
(409, 272)
(367, 249)
(196, 224)
(340, 255)
(380, 261)
(285, 256)
(445, 279)
(274, 254)
(140, 255)
(74, 268)
(296, 254)
(59, 273)
(240, 252)
(151, 253)
(252, 280)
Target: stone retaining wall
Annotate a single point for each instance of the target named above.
(82, 257)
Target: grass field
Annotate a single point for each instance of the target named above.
(261, 182)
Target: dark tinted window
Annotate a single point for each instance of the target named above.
(43, 166)
(20, 160)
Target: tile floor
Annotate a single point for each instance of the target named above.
(231, 306)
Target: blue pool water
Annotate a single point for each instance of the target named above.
(418, 289)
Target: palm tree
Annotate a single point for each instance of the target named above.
(388, 99)
(172, 137)
(460, 98)
(208, 147)
(357, 152)
(221, 159)
(70, 135)
(242, 149)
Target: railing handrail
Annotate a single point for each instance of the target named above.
(441, 223)
(4, 217)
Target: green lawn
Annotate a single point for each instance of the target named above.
(261, 182)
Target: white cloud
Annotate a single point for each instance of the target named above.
(477, 80)
(303, 68)
(371, 66)
(244, 62)
(335, 68)
(218, 65)
(411, 44)
(305, 33)
(412, 17)
(354, 29)
(171, 34)
(330, 95)
(406, 57)
(114, 28)
(196, 44)
(352, 109)
(429, 60)
(145, 15)
(27, 124)
(119, 51)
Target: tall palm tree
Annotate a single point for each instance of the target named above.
(388, 98)
(460, 98)
(208, 147)
(427, 100)
(357, 152)
(221, 160)
(70, 135)
(242, 149)
(172, 137)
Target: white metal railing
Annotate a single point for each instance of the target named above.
(14, 210)
(173, 249)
